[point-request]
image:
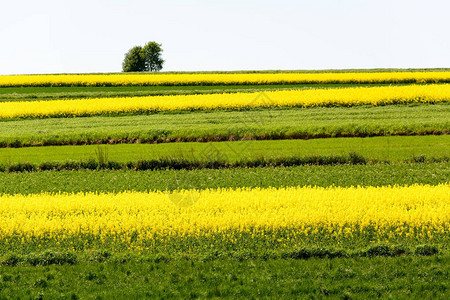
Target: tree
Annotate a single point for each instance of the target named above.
(147, 58)
(152, 56)
(134, 60)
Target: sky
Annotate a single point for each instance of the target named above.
(81, 36)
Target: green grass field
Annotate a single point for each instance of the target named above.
(231, 125)
(391, 148)
(123, 180)
(398, 278)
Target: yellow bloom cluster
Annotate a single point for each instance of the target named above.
(226, 78)
(291, 98)
(397, 210)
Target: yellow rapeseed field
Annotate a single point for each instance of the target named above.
(291, 98)
(407, 211)
(227, 78)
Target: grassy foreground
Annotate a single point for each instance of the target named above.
(233, 125)
(398, 277)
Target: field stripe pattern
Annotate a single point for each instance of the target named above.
(237, 101)
(222, 79)
(261, 124)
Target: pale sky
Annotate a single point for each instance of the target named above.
(58, 36)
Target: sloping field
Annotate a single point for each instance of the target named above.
(275, 176)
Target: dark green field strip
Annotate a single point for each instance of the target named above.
(192, 164)
(340, 278)
(124, 180)
(267, 71)
(394, 148)
(51, 93)
(321, 122)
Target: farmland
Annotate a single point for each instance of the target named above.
(227, 78)
(220, 184)
(231, 101)
(358, 121)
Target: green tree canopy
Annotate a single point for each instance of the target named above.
(152, 56)
(134, 61)
(147, 58)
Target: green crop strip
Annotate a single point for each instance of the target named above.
(358, 121)
(390, 148)
(153, 277)
(123, 180)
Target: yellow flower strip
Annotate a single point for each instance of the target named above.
(398, 210)
(292, 98)
(214, 79)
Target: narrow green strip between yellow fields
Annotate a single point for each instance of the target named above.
(391, 148)
(129, 180)
(262, 124)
